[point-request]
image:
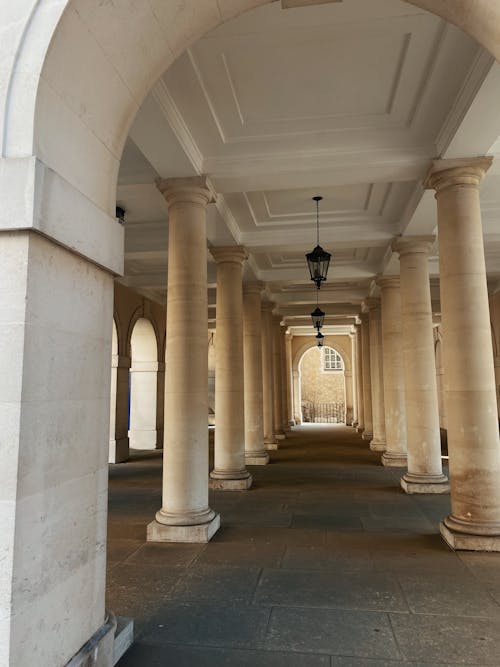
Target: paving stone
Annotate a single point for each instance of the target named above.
(336, 590)
(120, 549)
(324, 558)
(337, 632)
(445, 594)
(484, 566)
(144, 655)
(334, 522)
(242, 554)
(207, 582)
(173, 555)
(270, 535)
(450, 639)
(224, 625)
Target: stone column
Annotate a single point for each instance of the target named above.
(119, 442)
(378, 443)
(270, 441)
(229, 473)
(367, 382)
(255, 452)
(284, 394)
(296, 397)
(185, 515)
(160, 403)
(349, 410)
(354, 381)
(473, 440)
(360, 427)
(425, 471)
(279, 434)
(289, 379)
(394, 387)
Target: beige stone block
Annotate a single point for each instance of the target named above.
(463, 542)
(230, 484)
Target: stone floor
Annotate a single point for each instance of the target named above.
(324, 562)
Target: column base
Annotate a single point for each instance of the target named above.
(257, 458)
(367, 435)
(98, 651)
(271, 446)
(378, 445)
(465, 542)
(425, 483)
(201, 533)
(354, 424)
(360, 429)
(225, 484)
(394, 460)
(119, 451)
(280, 435)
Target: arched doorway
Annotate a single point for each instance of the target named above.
(143, 386)
(112, 402)
(322, 386)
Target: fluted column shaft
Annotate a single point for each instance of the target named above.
(394, 385)
(425, 471)
(185, 515)
(229, 473)
(473, 440)
(270, 441)
(367, 382)
(255, 452)
(359, 381)
(378, 442)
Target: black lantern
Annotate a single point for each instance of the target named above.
(318, 318)
(319, 338)
(318, 260)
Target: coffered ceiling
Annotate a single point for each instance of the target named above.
(350, 100)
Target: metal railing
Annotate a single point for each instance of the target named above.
(323, 413)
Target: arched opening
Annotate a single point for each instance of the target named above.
(112, 401)
(322, 386)
(143, 386)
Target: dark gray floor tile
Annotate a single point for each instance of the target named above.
(270, 535)
(452, 640)
(242, 554)
(144, 655)
(337, 632)
(324, 558)
(332, 522)
(398, 524)
(417, 561)
(224, 625)
(350, 590)
(208, 583)
(120, 549)
(172, 555)
(484, 566)
(447, 594)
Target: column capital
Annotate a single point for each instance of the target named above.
(413, 244)
(235, 254)
(363, 317)
(254, 287)
(372, 303)
(459, 171)
(191, 190)
(385, 282)
(268, 306)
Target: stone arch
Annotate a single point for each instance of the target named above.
(139, 314)
(313, 404)
(337, 346)
(127, 47)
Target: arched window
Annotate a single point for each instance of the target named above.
(332, 361)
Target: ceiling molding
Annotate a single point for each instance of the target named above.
(482, 64)
(174, 118)
(226, 214)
